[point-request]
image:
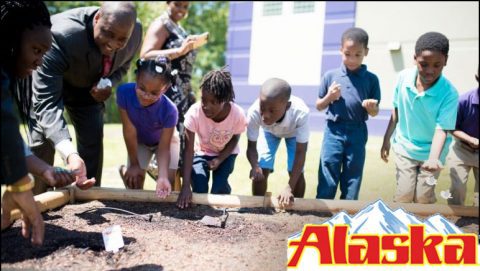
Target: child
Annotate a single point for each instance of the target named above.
(425, 108)
(218, 123)
(463, 155)
(280, 115)
(149, 119)
(351, 93)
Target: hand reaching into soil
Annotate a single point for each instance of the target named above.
(185, 197)
(32, 219)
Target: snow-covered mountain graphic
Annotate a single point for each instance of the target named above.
(378, 218)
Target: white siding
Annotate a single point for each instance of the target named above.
(288, 46)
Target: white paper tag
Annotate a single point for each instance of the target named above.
(112, 238)
(431, 181)
(104, 83)
(446, 194)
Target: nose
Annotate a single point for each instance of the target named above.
(38, 62)
(429, 70)
(205, 108)
(265, 116)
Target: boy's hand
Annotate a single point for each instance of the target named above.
(432, 165)
(334, 92)
(164, 187)
(286, 197)
(134, 176)
(385, 151)
(473, 142)
(214, 163)
(185, 197)
(370, 104)
(256, 174)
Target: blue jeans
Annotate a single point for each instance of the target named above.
(342, 160)
(201, 174)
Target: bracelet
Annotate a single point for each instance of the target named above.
(21, 188)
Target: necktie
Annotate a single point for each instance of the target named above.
(107, 65)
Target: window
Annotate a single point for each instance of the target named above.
(272, 8)
(303, 7)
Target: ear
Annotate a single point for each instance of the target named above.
(288, 105)
(366, 51)
(446, 58)
(97, 16)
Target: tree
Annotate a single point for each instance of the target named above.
(208, 17)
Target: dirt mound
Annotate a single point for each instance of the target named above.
(162, 238)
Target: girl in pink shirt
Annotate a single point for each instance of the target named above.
(213, 127)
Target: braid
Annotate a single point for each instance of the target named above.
(16, 17)
(219, 84)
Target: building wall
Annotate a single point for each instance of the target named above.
(259, 47)
(288, 46)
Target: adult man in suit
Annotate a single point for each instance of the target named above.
(89, 44)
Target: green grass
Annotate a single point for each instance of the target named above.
(378, 176)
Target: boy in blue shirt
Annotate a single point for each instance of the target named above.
(425, 108)
(350, 93)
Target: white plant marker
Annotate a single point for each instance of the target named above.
(112, 238)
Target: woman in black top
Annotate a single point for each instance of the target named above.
(166, 37)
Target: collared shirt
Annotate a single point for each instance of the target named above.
(467, 117)
(355, 87)
(420, 114)
(148, 121)
(294, 124)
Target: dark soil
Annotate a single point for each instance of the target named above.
(253, 239)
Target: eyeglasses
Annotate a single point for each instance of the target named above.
(150, 96)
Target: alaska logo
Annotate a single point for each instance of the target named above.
(378, 236)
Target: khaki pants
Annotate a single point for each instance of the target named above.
(145, 153)
(412, 183)
(460, 161)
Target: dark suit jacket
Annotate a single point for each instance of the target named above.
(69, 71)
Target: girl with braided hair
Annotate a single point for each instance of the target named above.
(25, 24)
(218, 123)
(149, 119)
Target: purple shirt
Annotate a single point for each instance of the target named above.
(149, 121)
(467, 117)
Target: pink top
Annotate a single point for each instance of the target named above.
(211, 137)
